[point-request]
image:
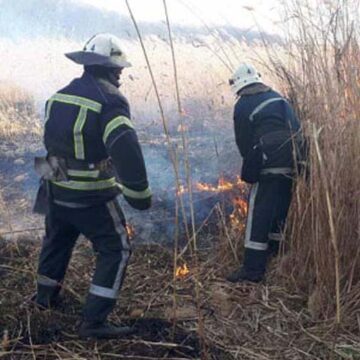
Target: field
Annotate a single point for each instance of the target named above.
(309, 307)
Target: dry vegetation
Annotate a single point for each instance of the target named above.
(323, 79)
(310, 306)
(18, 116)
(240, 322)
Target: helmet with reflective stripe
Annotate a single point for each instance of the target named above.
(244, 75)
(101, 49)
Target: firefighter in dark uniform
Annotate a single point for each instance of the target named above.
(93, 155)
(269, 138)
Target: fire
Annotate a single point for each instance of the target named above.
(223, 185)
(182, 189)
(182, 270)
(130, 231)
(239, 212)
(240, 206)
(182, 128)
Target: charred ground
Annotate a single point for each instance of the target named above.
(240, 321)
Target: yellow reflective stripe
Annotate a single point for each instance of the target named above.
(78, 100)
(87, 185)
(84, 173)
(78, 136)
(135, 194)
(115, 123)
(48, 109)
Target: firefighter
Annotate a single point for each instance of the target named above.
(93, 155)
(269, 139)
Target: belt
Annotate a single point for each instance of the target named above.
(71, 205)
(74, 164)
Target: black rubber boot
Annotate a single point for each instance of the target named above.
(103, 330)
(274, 248)
(254, 267)
(47, 297)
(241, 275)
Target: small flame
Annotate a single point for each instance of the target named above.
(239, 213)
(223, 185)
(182, 189)
(130, 230)
(182, 271)
(182, 128)
(240, 206)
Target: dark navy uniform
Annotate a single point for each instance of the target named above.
(88, 125)
(266, 128)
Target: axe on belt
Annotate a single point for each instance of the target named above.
(48, 168)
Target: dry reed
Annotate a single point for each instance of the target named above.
(322, 78)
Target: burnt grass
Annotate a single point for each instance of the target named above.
(242, 321)
(27, 330)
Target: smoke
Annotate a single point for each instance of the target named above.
(32, 46)
(78, 21)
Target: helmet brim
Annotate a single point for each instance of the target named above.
(90, 58)
(236, 87)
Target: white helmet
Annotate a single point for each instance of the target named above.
(101, 49)
(244, 75)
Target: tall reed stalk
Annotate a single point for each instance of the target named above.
(174, 159)
(321, 76)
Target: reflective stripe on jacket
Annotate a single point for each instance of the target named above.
(268, 119)
(87, 123)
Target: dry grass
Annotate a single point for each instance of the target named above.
(323, 80)
(241, 321)
(18, 116)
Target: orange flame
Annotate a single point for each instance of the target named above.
(222, 185)
(240, 206)
(182, 271)
(239, 212)
(182, 128)
(182, 189)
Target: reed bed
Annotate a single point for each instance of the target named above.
(322, 78)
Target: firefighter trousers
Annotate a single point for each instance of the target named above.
(269, 202)
(104, 226)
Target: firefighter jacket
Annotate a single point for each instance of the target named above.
(88, 124)
(263, 117)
